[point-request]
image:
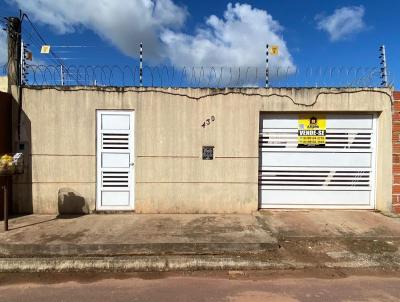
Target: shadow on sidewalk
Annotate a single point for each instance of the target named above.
(30, 224)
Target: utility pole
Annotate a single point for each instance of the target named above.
(384, 75)
(14, 79)
(14, 51)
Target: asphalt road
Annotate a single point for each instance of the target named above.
(203, 286)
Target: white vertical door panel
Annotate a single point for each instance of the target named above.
(115, 160)
(339, 175)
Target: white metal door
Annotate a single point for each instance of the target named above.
(341, 174)
(115, 160)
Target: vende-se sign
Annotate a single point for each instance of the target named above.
(311, 130)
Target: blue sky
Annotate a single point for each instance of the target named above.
(311, 34)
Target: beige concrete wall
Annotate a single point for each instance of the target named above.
(59, 129)
(4, 84)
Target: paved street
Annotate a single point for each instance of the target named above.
(203, 286)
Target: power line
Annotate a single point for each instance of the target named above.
(58, 59)
(40, 36)
(35, 41)
(32, 39)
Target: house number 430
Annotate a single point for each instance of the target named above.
(208, 121)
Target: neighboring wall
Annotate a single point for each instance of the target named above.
(396, 152)
(58, 130)
(4, 84)
(5, 141)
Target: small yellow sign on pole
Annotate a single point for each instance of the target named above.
(45, 49)
(274, 50)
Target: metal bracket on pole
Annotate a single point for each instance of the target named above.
(267, 68)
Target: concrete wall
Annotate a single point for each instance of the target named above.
(396, 152)
(58, 127)
(4, 84)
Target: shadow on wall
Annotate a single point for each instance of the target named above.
(22, 184)
(71, 203)
(5, 143)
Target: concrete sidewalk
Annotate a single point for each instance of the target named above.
(278, 239)
(130, 234)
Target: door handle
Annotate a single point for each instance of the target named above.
(131, 164)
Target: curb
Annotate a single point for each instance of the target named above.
(141, 264)
(145, 249)
(179, 263)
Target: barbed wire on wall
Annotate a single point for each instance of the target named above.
(55, 71)
(204, 76)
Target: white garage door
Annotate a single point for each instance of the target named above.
(337, 173)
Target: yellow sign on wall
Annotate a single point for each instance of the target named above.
(311, 130)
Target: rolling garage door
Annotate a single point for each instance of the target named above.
(333, 170)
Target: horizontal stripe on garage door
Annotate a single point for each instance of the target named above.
(339, 175)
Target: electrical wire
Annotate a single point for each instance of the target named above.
(39, 35)
(57, 58)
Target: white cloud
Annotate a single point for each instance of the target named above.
(3, 47)
(343, 23)
(123, 23)
(237, 39)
